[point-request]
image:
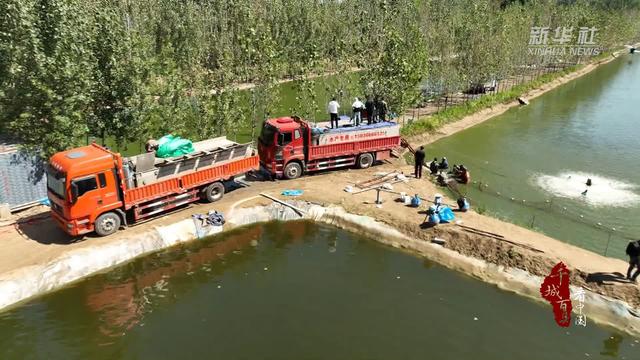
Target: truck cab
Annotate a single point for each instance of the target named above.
(81, 185)
(281, 146)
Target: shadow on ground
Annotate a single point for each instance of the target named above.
(43, 229)
(605, 277)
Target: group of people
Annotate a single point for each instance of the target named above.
(373, 109)
(459, 172)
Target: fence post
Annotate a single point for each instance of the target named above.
(608, 241)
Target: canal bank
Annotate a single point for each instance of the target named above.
(511, 266)
(531, 165)
(484, 114)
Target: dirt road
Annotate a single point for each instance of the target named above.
(36, 239)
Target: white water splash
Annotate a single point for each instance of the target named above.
(602, 192)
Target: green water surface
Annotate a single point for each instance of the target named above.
(589, 126)
(293, 291)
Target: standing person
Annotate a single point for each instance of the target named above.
(369, 105)
(419, 162)
(378, 106)
(357, 108)
(382, 110)
(633, 250)
(332, 109)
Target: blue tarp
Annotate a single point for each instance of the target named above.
(439, 213)
(344, 129)
(292, 192)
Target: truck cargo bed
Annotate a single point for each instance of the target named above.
(146, 169)
(219, 171)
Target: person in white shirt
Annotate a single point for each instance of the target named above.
(332, 109)
(357, 108)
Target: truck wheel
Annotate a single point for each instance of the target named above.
(365, 160)
(214, 192)
(293, 170)
(107, 224)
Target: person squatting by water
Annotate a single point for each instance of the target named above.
(434, 166)
(419, 162)
(332, 109)
(633, 250)
(461, 174)
(444, 164)
(357, 108)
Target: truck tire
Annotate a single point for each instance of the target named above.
(364, 160)
(214, 192)
(293, 170)
(107, 224)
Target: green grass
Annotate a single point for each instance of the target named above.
(457, 112)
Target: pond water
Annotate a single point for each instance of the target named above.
(293, 291)
(532, 163)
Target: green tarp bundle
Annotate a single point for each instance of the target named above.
(170, 146)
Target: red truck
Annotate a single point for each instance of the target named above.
(94, 189)
(290, 146)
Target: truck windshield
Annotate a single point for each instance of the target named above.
(56, 181)
(267, 135)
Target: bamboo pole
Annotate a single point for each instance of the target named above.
(296, 209)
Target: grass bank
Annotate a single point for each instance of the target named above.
(454, 113)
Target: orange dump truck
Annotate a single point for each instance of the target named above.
(94, 189)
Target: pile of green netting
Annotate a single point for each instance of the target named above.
(171, 146)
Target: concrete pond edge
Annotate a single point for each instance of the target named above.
(24, 284)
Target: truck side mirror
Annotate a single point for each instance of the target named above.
(74, 192)
(281, 139)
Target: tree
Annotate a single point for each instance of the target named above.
(46, 94)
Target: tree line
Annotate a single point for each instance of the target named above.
(134, 69)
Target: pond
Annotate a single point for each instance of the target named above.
(293, 291)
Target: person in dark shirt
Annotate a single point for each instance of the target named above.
(434, 166)
(381, 109)
(370, 108)
(419, 162)
(633, 250)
